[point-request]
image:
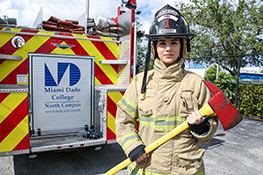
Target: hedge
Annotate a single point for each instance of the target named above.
(250, 98)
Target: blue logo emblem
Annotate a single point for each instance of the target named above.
(74, 74)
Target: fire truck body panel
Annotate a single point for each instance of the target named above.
(60, 90)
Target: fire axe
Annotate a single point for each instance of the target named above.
(219, 104)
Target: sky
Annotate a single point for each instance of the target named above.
(26, 11)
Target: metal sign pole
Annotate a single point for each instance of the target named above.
(87, 15)
(237, 83)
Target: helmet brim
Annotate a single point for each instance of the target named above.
(155, 37)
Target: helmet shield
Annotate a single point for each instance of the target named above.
(169, 23)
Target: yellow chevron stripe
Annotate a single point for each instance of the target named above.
(97, 81)
(63, 51)
(46, 32)
(15, 137)
(115, 96)
(113, 47)
(111, 122)
(5, 38)
(31, 46)
(93, 51)
(15, 29)
(10, 103)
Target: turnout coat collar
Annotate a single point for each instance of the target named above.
(173, 73)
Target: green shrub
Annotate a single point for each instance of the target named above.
(210, 74)
(250, 97)
(227, 84)
(251, 100)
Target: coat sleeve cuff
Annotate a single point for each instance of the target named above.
(200, 128)
(132, 147)
(136, 152)
(204, 137)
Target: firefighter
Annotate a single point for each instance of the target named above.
(172, 95)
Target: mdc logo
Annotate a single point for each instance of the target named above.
(74, 74)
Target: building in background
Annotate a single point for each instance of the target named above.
(247, 74)
(251, 75)
(196, 68)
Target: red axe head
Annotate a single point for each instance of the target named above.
(226, 112)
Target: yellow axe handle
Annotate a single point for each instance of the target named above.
(205, 110)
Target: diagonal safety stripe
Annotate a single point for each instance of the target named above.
(13, 139)
(110, 135)
(13, 119)
(5, 38)
(21, 69)
(111, 122)
(77, 49)
(100, 78)
(92, 50)
(111, 113)
(97, 81)
(23, 144)
(8, 48)
(31, 45)
(105, 52)
(47, 46)
(112, 100)
(115, 96)
(3, 96)
(10, 103)
(113, 47)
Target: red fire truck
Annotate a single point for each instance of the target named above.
(59, 88)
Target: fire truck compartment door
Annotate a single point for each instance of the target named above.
(61, 90)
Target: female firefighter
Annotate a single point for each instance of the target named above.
(170, 96)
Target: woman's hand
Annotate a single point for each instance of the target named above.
(141, 157)
(195, 117)
(198, 123)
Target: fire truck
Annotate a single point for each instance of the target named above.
(59, 87)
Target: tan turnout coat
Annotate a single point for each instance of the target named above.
(171, 95)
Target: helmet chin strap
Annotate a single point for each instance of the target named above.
(147, 61)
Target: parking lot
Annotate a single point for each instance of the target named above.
(238, 151)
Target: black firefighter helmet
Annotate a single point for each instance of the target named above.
(170, 23)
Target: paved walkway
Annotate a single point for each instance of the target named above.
(238, 151)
